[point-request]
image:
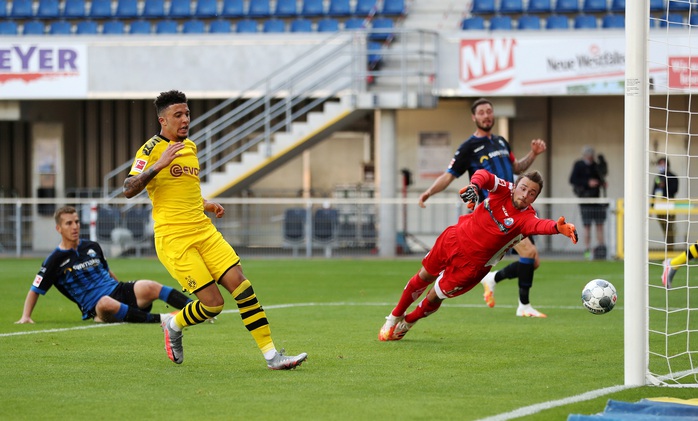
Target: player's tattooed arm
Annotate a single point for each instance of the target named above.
(135, 184)
(537, 147)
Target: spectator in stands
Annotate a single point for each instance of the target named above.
(79, 270)
(188, 244)
(588, 180)
(485, 150)
(665, 186)
(466, 251)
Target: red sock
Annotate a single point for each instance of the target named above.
(414, 288)
(424, 309)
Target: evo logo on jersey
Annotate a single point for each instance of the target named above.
(177, 171)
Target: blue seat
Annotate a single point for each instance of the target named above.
(220, 26)
(206, 9)
(166, 26)
(8, 27)
(136, 220)
(140, 27)
(539, 6)
(274, 25)
(126, 9)
(613, 21)
(312, 8)
(60, 27)
(153, 9)
(393, 8)
(374, 53)
(679, 6)
(473, 23)
(339, 8)
(365, 7)
(566, 6)
(3, 8)
(259, 9)
(483, 7)
(194, 26)
(529, 22)
(325, 224)
(672, 20)
(585, 22)
(34, 27)
(693, 19)
(100, 9)
(86, 27)
(511, 6)
(656, 5)
(301, 25)
(618, 6)
(383, 28)
(294, 225)
(286, 9)
(233, 9)
(594, 6)
(48, 9)
(179, 9)
(328, 25)
(108, 218)
(246, 26)
(114, 27)
(557, 22)
(354, 24)
(74, 9)
(501, 23)
(21, 9)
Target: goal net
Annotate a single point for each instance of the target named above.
(668, 342)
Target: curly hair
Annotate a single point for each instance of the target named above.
(165, 99)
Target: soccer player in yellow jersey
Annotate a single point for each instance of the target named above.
(186, 241)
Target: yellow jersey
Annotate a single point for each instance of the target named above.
(175, 191)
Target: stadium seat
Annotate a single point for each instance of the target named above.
(328, 25)
(259, 9)
(393, 8)
(273, 25)
(220, 26)
(114, 27)
(166, 26)
(511, 6)
(354, 23)
(339, 8)
(285, 9)
(618, 6)
(86, 27)
(126, 9)
(693, 19)
(136, 220)
(21, 9)
(179, 9)
(656, 5)
(3, 8)
(473, 23)
(585, 22)
(108, 218)
(539, 6)
(557, 22)
(374, 53)
(140, 27)
(206, 9)
(8, 27)
(679, 5)
(529, 22)
(48, 9)
(194, 26)
(325, 222)
(382, 27)
(673, 20)
(301, 25)
(100, 9)
(153, 9)
(501, 23)
(312, 8)
(74, 9)
(483, 7)
(246, 26)
(233, 9)
(60, 27)
(613, 21)
(594, 6)
(294, 228)
(566, 6)
(34, 27)
(365, 8)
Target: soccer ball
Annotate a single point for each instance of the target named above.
(599, 296)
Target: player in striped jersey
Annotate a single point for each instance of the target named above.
(485, 150)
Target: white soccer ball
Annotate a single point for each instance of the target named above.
(599, 296)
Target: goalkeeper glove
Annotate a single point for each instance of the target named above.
(470, 195)
(567, 229)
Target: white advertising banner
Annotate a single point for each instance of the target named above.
(43, 70)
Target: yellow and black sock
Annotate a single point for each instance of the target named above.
(682, 258)
(195, 312)
(253, 316)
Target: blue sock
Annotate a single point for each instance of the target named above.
(121, 314)
(164, 293)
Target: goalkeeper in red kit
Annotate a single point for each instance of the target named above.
(465, 252)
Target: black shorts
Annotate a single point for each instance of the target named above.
(595, 213)
(125, 293)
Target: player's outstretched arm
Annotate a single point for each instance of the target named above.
(567, 229)
(538, 146)
(470, 195)
(29, 304)
(438, 185)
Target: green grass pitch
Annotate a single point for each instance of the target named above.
(465, 362)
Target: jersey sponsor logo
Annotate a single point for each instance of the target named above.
(150, 145)
(91, 253)
(139, 165)
(177, 170)
(37, 280)
(487, 64)
(508, 222)
(86, 265)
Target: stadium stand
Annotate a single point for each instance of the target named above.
(179, 9)
(220, 26)
(153, 9)
(33, 27)
(325, 222)
(393, 8)
(511, 6)
(483, 7)
(374, 54)
(259, 9)
(613, 21)
(233, 9)
(557, 22)
(301, 25)
(501, 23)
(617, 6)
(313, 8)
(383, 25)
(539, 6)
(246, 26)
(566, 6)
(273, 25)
(473, 23)
(286, 9)
(294, 228)
(328, 25)
(194, 26)
(206, 9)
(126, 9)
(166, 26)
(656, 5)
(595, 6)
(100, 9)
(354, 23)
(3, 8)
(693, 19)
(8, 27)
(60, 27)
(672, 20)
(21, 9)
(365, 8)
(87, 27)
(114, 27)
(74, 9)
(339, 8)
(140, 27)
(679, 5)
(529, 22)
(585, 22)
(48, 9)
